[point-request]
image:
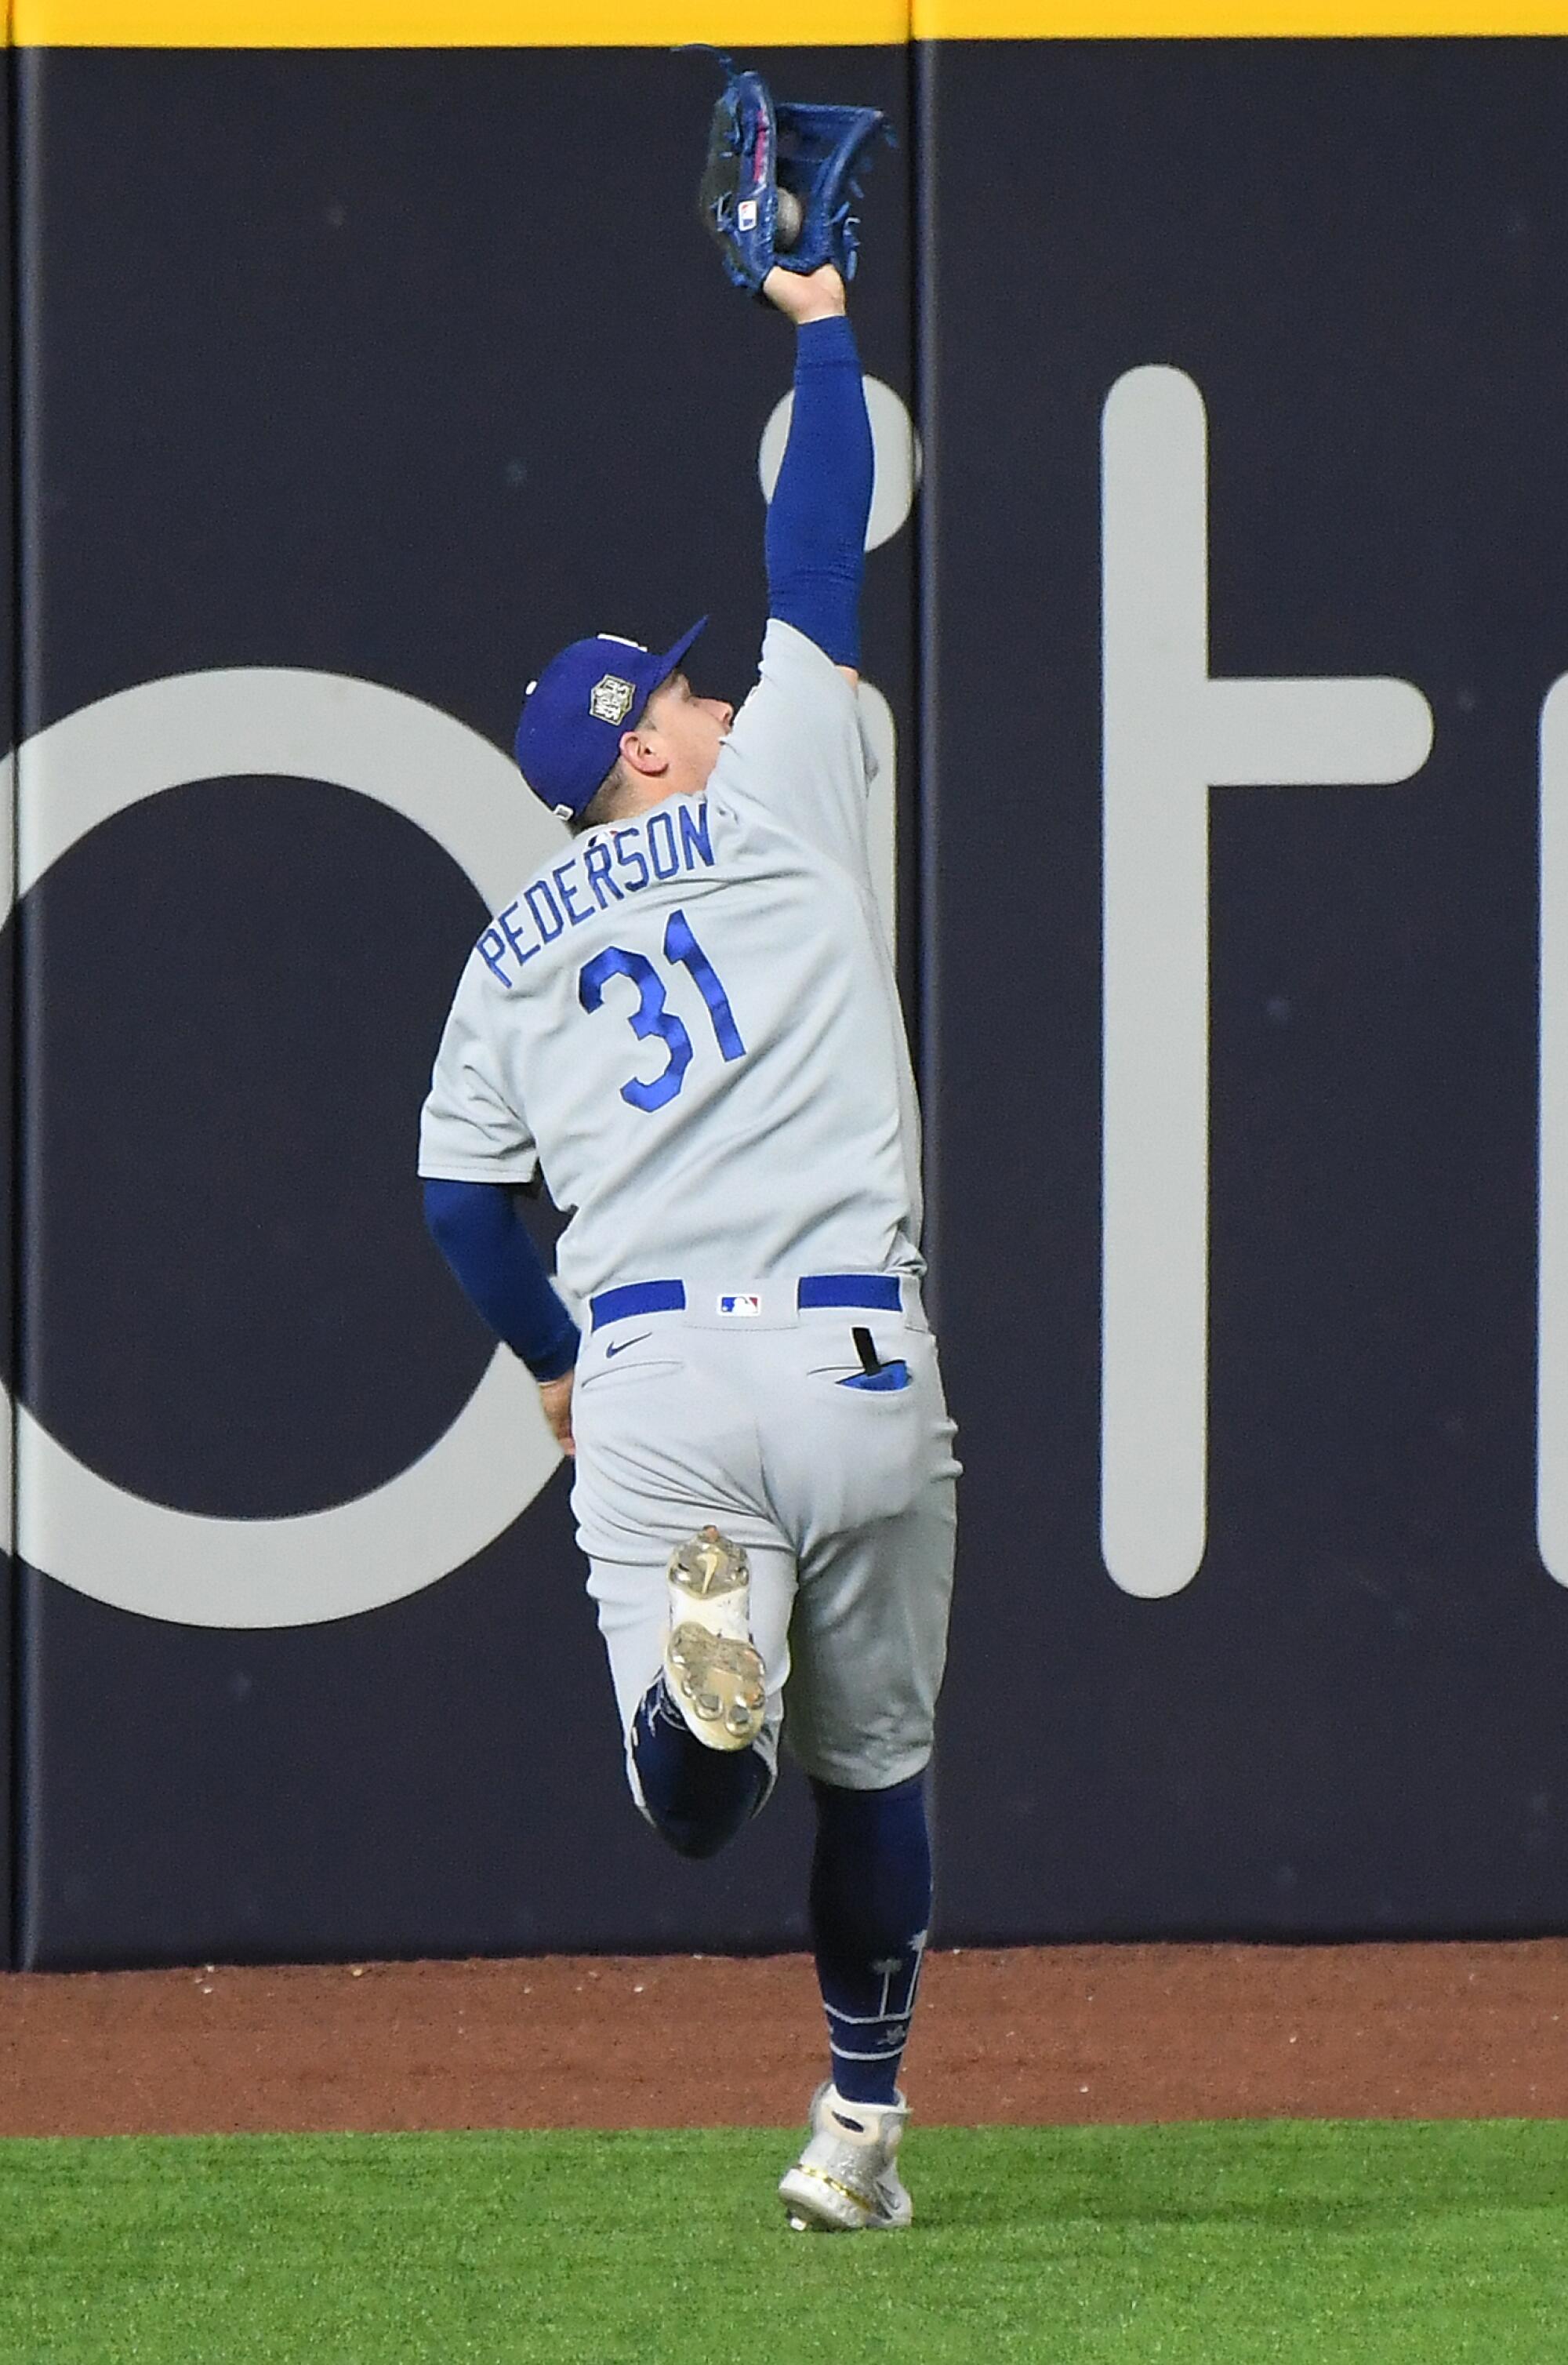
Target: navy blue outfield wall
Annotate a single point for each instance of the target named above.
(1342, 259)
(357, 368)
(352, 384)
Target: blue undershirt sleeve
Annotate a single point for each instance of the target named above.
(480, 1234)
(815, 542)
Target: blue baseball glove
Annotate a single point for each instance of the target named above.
(780, 182)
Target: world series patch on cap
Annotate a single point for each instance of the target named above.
(610, 700)
(568, 734)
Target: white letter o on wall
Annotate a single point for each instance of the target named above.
(476, 1479)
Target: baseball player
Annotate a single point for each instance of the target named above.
(690, 1023)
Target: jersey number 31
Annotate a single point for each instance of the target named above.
(653, 1018)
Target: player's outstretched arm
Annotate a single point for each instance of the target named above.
(815, 542)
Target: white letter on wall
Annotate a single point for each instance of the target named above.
(1552, 1333)
(1172, 734)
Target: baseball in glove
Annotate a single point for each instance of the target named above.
(779, 181)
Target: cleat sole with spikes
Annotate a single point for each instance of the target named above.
(718, 1683)
(712, 1667)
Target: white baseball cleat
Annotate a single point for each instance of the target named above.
(846, 2179)
(712, 1667)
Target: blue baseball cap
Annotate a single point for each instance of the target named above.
(568, 733)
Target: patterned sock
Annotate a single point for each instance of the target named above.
(697, 1797)
(870, 1910)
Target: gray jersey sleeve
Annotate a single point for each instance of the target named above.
(470, 1130)
(796, 748)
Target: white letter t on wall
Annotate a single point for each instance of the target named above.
(1172, 734)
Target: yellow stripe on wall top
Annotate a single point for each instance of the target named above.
(741, 24)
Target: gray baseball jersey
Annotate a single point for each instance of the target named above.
(691, 1022)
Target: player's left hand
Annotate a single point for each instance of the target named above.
(555, 1396)
(814, 295)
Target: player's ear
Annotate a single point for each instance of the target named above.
(643, 755)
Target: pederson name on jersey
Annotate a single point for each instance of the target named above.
(607, 867)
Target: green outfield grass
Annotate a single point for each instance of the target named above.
(1219, 2245)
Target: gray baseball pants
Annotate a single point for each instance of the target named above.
(842, 1494)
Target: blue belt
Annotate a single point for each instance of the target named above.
(880, 1291)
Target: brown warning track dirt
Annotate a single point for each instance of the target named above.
(1028, 2037)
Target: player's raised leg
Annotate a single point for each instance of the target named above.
(693, 1585)
(696, 1792)
(693, 1747)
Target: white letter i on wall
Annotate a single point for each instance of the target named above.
(1172, 734)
